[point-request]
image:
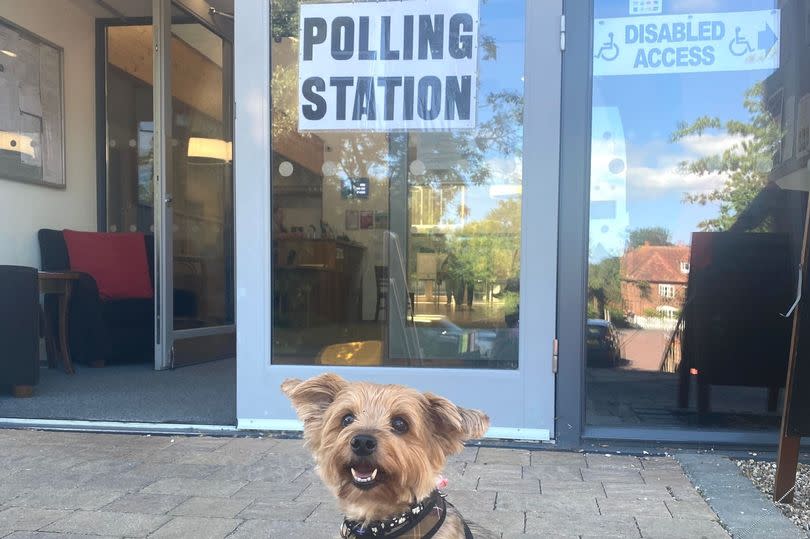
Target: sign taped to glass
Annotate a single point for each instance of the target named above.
(687, 43)
(387, 66)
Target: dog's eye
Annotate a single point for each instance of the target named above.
(399, 425)
(347, 420)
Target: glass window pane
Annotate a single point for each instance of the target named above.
(400, 247)
(202, 190)
(698, 196)
(129, 129)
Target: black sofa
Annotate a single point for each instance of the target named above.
(19, 329)
(106, 332)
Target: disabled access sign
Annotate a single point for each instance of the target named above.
(686, 43)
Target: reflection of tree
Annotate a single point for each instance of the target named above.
(745, 165)
(488, 250)
(284, 86)
(604, 287)
(146, 163)
(656, 235)
(284, 18)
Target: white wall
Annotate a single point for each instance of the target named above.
(26, 208)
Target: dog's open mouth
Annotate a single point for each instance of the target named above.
(365, 475)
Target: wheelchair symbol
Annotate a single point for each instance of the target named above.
(739, 45)
(609, 50)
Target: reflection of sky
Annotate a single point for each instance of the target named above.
(651, 106)
(503, 20)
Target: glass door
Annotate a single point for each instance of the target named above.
(407, 147)
(197, 193)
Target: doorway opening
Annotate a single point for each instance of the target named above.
(122, 360)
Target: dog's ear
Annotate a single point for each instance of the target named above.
(453, 424)
(312, 397)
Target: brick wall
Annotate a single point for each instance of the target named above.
(637, 304)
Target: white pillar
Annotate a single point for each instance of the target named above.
(253, 207)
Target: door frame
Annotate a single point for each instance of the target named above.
(162, 182)
(163, 269)
(165, 334)
(260, 404)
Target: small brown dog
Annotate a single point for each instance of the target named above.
(380, 449)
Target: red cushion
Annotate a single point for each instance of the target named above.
(116, 261)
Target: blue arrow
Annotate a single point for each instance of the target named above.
(766, 39)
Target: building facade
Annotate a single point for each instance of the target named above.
(434, 194)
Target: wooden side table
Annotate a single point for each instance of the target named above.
(59, 283)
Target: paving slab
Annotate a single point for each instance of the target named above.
(108, 523)
(190, 487)
(29, 519)
(278, 510)
(197, 527)
(150, 504)
(55, 535)
(487, 455)
(279, 529)
(60, 498)
(569, 523)
(210, 507)
(669, 528)
(583, 504)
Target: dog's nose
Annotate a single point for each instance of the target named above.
(363, 445)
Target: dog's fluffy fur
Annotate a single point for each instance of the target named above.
(407, 464)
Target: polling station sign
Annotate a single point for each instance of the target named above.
(686, 43)
(386, 66)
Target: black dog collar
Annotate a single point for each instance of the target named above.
(420, 521)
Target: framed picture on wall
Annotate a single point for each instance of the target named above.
(32, 129)
(366, 220)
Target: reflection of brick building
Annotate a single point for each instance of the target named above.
(653, 278)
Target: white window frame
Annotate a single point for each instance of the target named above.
(666, 291)
(525, 396)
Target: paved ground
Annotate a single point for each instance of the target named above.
(69, 484)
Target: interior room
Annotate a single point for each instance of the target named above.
(85, 215)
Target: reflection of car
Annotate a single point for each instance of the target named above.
(439, 338)
(602, 343)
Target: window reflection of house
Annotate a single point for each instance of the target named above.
(438, 207)
(653, 279)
